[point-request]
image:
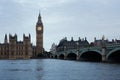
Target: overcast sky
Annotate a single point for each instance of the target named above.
(61, 18)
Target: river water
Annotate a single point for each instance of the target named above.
(51, 69)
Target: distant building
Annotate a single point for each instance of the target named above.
(14, 49)
(104, 42)
(64, 44)
(53, 48)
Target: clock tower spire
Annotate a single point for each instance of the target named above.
(39, 20)
(39, 36)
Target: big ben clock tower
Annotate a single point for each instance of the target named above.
(39, 36)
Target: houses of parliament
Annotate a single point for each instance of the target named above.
(14, 49)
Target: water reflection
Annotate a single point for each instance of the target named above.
(19, 70)
(46, 69)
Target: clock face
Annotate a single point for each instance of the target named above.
(39, 28)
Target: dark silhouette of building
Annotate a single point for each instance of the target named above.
(64, 44)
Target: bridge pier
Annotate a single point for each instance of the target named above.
(77, 57)
(51, 56)
(57, 57)
(65, 57)
(103, 55)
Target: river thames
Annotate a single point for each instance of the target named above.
(51, 69)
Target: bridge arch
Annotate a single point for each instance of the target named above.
(61, 56)
(91, 55)
(114, 55)
(55, 57)
(71, 56)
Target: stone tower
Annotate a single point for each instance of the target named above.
(12, 46)
(39, 36)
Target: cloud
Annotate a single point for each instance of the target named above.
(61, 18)
(43, 3)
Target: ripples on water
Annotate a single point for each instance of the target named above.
(50, 69)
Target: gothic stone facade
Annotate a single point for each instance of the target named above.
(64, 44)
(14, 49)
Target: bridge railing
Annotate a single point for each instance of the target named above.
(113, 45)
(80, 49)
(108, 46)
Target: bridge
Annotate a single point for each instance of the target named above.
(105, 53)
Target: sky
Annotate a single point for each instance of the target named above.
(61, 18)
